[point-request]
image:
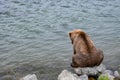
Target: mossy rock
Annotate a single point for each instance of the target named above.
(103, 77)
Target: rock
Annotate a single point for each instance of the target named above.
(88, 71)
(103, 77)
(108, 72)
(91, 70)
(8, 77)
(66, 75)
(29, 77)
(84, 77)
(101, 68)
(116, 74)
(111, 77)
(106, 77)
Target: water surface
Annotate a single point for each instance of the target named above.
(34, 34)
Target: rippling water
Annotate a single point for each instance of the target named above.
(34, 34)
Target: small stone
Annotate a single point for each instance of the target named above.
(111, 77)
(108, 72)
(29, 77)
(116, 74)
(106, 77)
(7, 77)
(103, 77)
(84, 77)
(101, 68)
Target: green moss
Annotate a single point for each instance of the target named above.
(103, 77)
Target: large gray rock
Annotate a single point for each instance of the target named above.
(66, 75)
(91, 70)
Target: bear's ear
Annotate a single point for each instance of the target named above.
(70, 34)
(81, 34)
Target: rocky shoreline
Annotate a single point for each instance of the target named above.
(95, 73)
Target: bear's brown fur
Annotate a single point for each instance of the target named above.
(85, 52)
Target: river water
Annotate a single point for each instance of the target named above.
(34, 34)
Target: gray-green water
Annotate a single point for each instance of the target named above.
(34, 34)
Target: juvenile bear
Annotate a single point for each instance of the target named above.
(85, 52)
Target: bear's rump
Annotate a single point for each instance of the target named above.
(87, 60)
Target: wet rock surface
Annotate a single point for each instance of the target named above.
(95, 73)
(91, 70)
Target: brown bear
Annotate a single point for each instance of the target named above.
(85, 52)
